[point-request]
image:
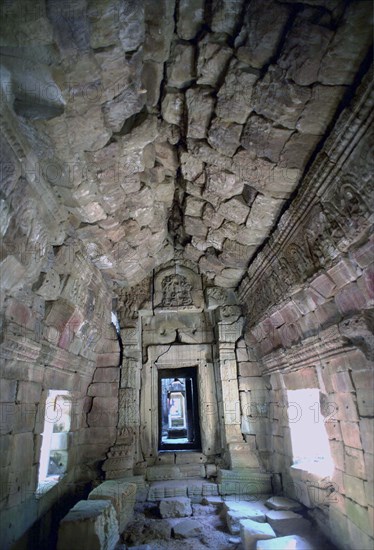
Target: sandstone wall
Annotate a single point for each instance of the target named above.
(309, 297)
(56, 334)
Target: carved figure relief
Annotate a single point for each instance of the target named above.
(176, 291)
(133, 300)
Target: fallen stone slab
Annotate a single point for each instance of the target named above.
(283, 503)
(252, 531)
(175, 507)
(234, 512)
(212, 501)
(286, 522)
(244, 507)
(89, 524)
(292, 542)
(201, 510)
(233, 519)
(188, 528)
(121, 494)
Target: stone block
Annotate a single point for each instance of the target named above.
(252, 531)
(103, 389)
(309, 324)
(339, 527)
(188, 528)
(342, 273)
(307, 300)
(287, 522)
(104, 412)
(181, 71)
(351, 434)
(324, 285)
(369, 465)
(106, 374)
(243, 481)
(121, 494)
(342, 406)
(364, 256)
(359, 516)
(361, 539)
(303, 378)
(29, 392)
(192, 470)
(175, 507)
(350, 299)
(282, 543)
(108, 359)
(337, 453)
(190, 458)
(355, 463)
(249, 369)
(8, 390)
(354, 489)
(159, 473)
(90, 523)
(234, 512)
(327, 314)
(367, 434)
(283, 503)
(365, 402)
(341, 382)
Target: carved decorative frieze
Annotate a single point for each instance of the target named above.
(131, 300)
(332, 211)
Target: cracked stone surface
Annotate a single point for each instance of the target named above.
(133, 112)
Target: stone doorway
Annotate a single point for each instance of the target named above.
(179, 424)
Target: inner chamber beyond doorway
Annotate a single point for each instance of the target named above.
(179, 426)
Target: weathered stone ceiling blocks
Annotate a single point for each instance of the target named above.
(156, 125)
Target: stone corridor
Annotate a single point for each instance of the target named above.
(186, 269)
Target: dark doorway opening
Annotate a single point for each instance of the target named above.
(178, 410)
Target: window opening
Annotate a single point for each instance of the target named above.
(54, 448)
(310, 444)
(178, 410)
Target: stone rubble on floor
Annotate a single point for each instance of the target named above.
(175, 507)
(161, 521)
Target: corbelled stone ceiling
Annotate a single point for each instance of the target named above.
(177, 129)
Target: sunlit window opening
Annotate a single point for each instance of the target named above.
(54, 449)
(310, 444)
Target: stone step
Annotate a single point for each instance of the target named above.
(252, 531)
(193, 488)
(283, 503)
(287, 522)
(281, 543)
(234, 512)
(243, 481)
(171, 471)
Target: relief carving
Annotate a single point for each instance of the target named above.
(176, 291)
(133, 299)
